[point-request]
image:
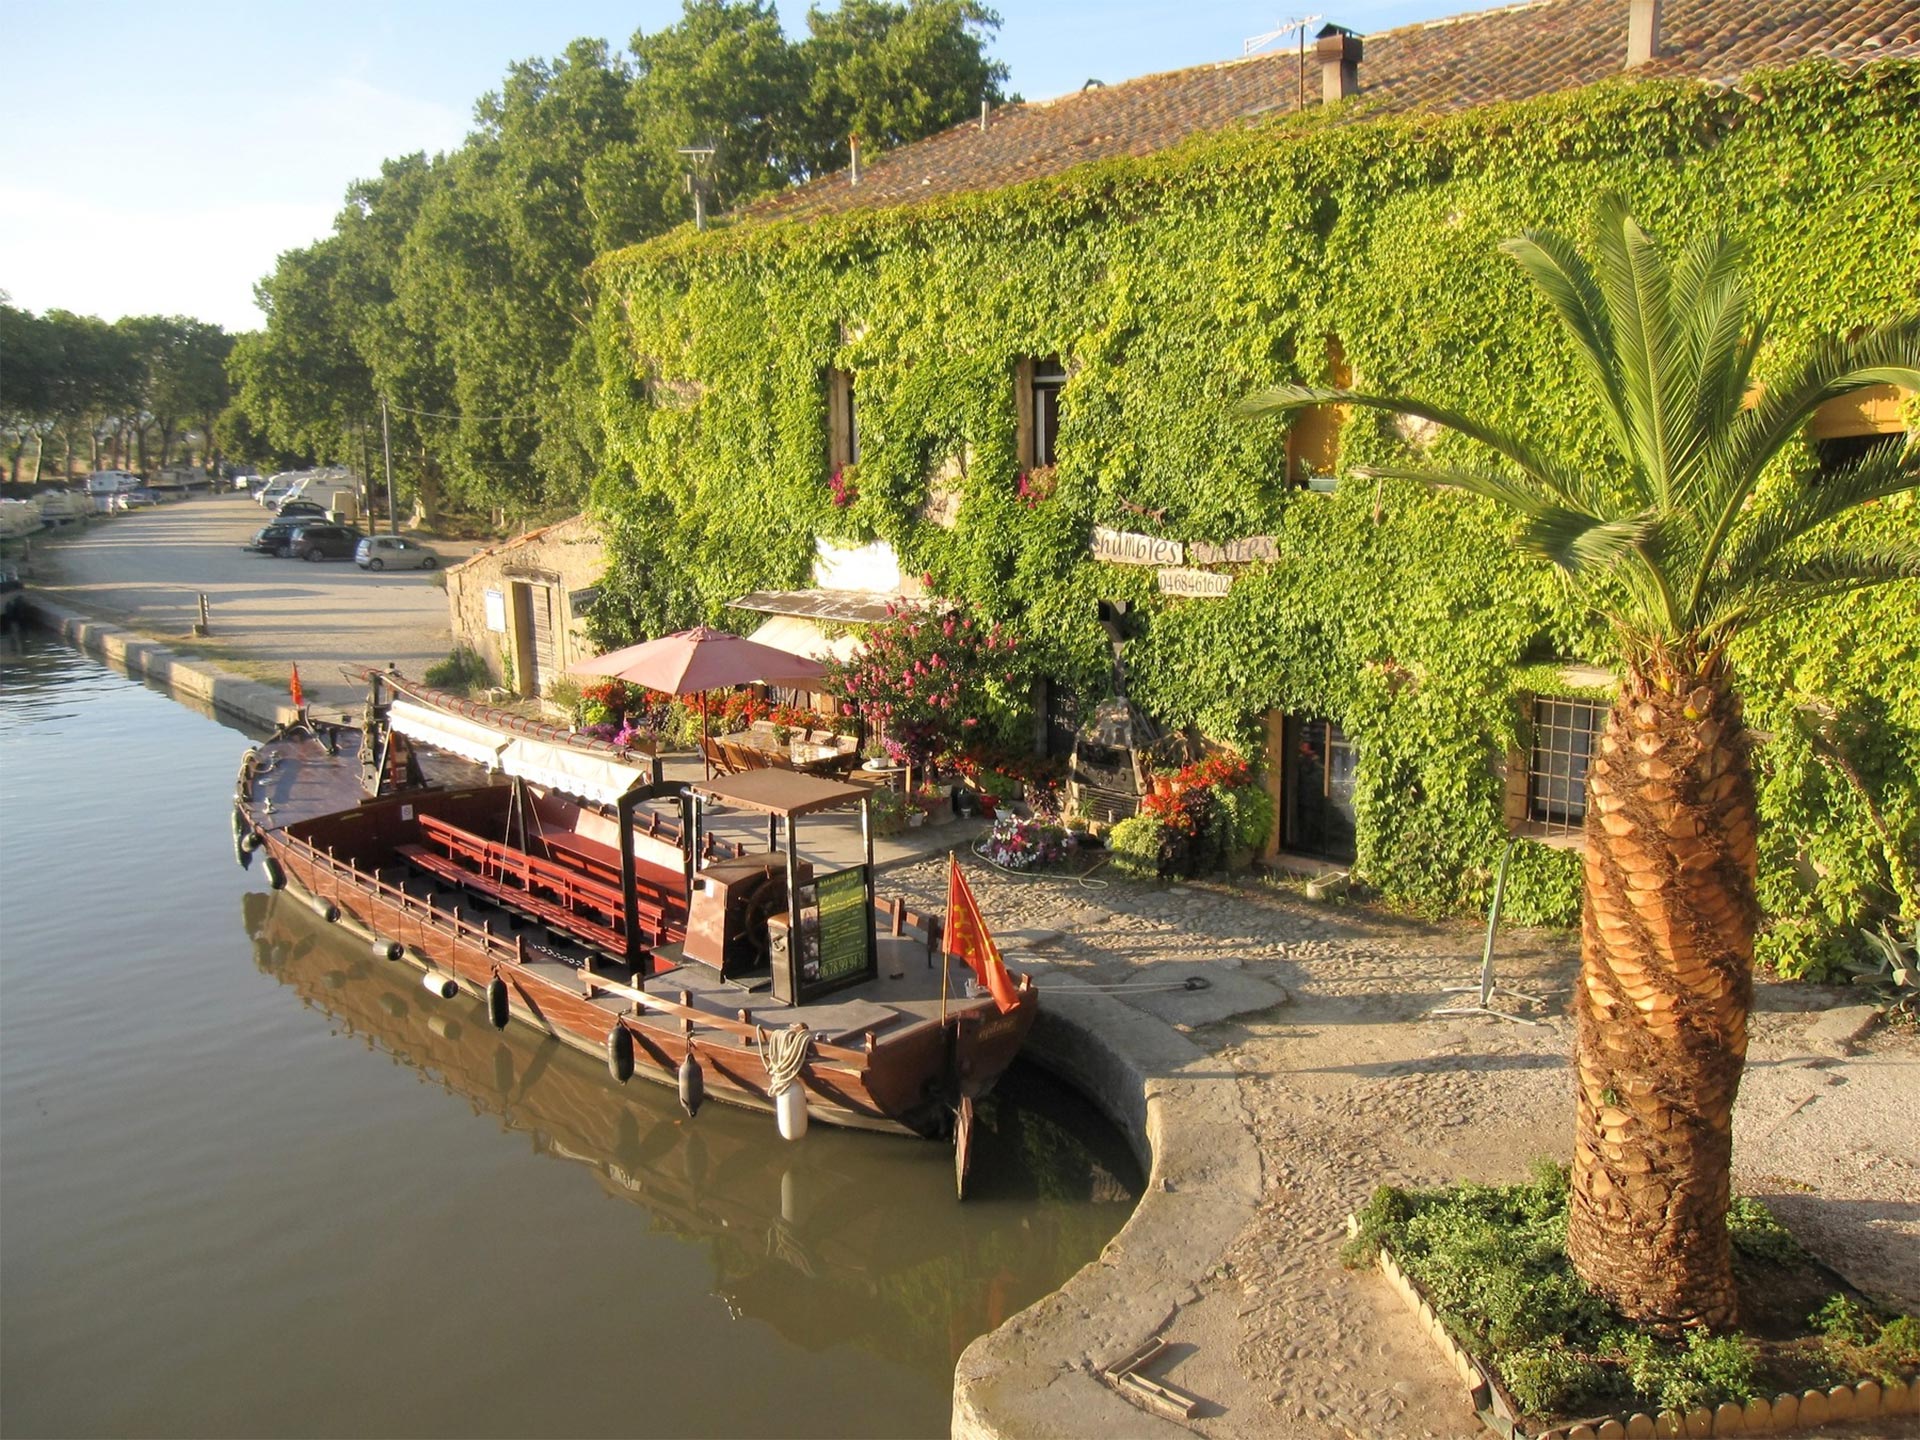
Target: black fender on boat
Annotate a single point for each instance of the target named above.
(619, 1053)
(276, 877)
(497, 1011)
(693, 1084)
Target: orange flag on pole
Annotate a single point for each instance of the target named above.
(968, 939)
(299, 700)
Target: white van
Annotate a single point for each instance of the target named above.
(112, 482)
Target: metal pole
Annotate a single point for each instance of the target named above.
(386, 450)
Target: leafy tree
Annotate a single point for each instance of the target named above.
(889, 74)
(1687, 538)
(455, 287)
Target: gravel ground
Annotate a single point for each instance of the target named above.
(146, 569)
(1347, 1084)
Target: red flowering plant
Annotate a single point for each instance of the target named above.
(933, 685)
(1035, 486)
(1207, 810)
(841, 487)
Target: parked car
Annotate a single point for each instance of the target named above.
(247, 480)
(271, 539)
(394, 552)
(323, 542)
(139, 499)
(301, 509)
(112, 482)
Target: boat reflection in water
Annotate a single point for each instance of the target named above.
(840, 1239)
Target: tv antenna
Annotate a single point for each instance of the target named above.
(1254, 44)
(698, 185)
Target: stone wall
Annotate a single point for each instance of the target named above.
(556, 569)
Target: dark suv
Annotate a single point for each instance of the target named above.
(271, 540)
(323, 542)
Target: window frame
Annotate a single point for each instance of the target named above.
(1547, 776)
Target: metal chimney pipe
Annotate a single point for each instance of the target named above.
(853, 171)
(1643, 31)
(1339, 54)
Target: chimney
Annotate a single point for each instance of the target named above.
(1643, 31)
(853, 152)
(1339, 52)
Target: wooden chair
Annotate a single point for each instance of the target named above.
(716, 756)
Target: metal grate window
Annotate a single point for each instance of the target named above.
(1564, 735)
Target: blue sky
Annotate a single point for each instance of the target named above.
(156, 157)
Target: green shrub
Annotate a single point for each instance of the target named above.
(1756, 1231)
(1846, 1320)
(460, 671)
(1712, 1368)
(1251, 811)
(1899, 1342)
(1549, 1377)
(1134, 845)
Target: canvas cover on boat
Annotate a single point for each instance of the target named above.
(591, 777)
(479, 743)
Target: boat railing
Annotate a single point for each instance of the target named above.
(513, 953)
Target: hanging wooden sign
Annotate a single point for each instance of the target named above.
(1123, 547)
(1235, 552)
(1194, 582)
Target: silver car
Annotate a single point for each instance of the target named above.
(393, 552)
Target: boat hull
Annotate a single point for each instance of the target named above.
(909, 1084)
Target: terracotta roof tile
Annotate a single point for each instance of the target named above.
(1510, 53)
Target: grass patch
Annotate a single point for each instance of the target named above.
(1492, 1262)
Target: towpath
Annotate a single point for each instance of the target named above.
(147, 569)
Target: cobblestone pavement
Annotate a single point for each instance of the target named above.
(1347, 1084)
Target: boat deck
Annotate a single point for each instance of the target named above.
(906, 989)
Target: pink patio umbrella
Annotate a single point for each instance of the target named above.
(691, 662)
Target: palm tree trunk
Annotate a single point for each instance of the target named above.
(1666, 978)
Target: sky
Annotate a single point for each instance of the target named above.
(157, 156)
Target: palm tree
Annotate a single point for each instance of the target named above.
(1678, 545)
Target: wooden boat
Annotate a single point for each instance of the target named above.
(573, 890)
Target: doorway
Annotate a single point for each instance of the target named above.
(1319, 773)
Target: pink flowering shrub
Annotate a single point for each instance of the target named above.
(935, 685)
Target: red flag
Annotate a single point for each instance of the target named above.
(968, 939)
(299, 700)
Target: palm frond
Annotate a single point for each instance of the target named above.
(1638, 288)
(1559, 273)
(1889, 354)
(1824, 575)
(1886, 470)
(1550, 473)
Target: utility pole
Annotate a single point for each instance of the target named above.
(386, 449)
(697, 183)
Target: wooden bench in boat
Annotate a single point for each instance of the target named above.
(571, 922)
(562, 894)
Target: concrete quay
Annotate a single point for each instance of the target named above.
(1264, 1104)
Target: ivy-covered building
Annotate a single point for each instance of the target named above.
(1011, 353)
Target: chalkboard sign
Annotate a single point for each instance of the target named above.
(840, 945)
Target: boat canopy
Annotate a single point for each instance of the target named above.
(598, 778)
(479, 743)
(591, 777)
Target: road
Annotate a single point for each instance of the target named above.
(147, 569)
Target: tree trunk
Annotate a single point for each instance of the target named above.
(1666, 978)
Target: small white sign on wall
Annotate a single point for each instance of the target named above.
(497, 611)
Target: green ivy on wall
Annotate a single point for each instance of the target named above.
(1171, 286)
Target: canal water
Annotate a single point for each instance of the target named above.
(255, 1183)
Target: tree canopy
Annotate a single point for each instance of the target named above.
(454, 286)
(76, 384)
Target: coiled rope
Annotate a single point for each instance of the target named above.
(784, 1053)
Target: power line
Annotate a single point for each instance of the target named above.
(439, 415)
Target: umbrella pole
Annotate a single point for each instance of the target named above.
(706, 756)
